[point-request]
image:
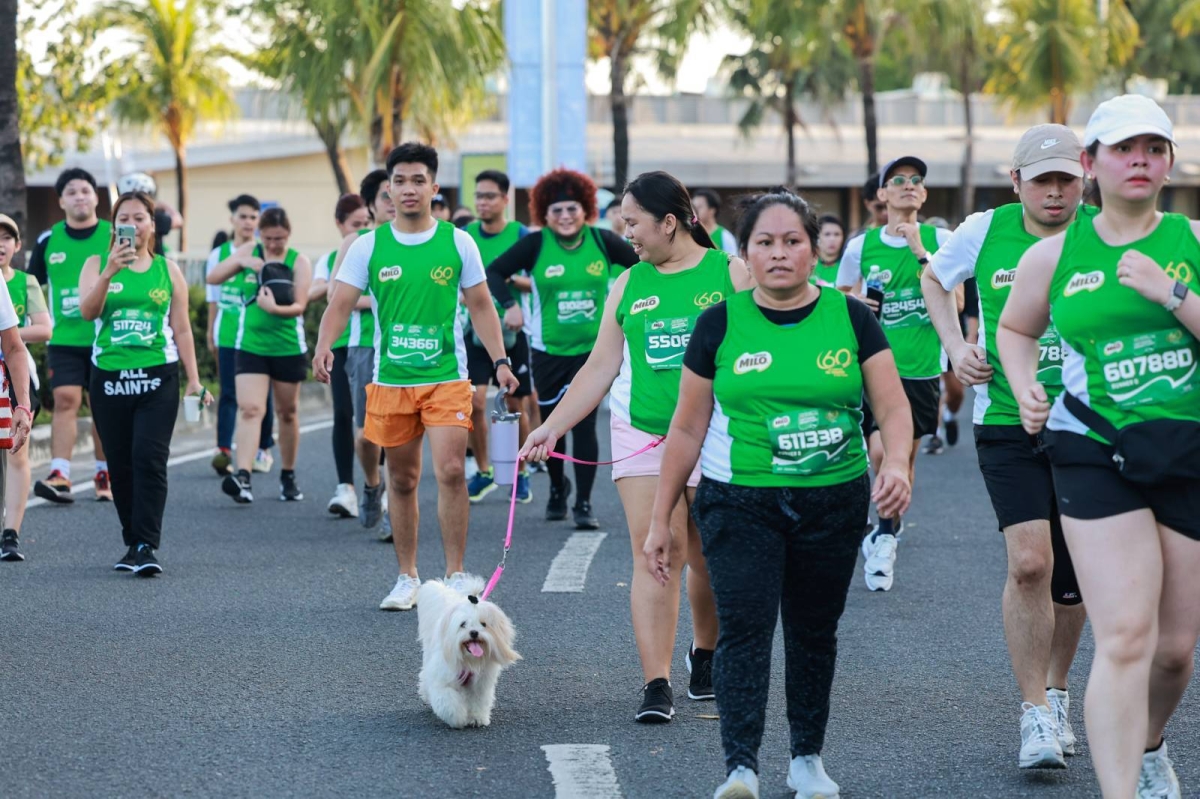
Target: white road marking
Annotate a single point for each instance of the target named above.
(582, 771)
(568, 570)
(187, 457)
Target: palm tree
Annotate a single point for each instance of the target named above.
(863, 23)
(172, 80)
(12, 165)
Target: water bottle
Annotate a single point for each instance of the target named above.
(875, 288)
(504, 440)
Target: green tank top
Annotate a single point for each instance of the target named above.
(65, 257)
(788, 399)
(825, 274)
(906, 322)
(18, 290)
(569, 289)
(262, 333)
(419, 337)
(657, 314)
(1130, 359)
(492, 247)
(236, 292)
(134, 330)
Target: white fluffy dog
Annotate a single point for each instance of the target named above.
(465, 643)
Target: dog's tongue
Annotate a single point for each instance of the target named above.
(475, 649)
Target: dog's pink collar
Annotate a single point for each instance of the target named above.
(464, 677)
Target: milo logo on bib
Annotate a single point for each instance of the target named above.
(1084, 281)
(647, 304)
(415, 346)
(132, 327)
(1004, 278)
(752, 362)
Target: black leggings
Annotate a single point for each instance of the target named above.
(770, 550)
(343, 418)
(134, 411)
(552, 375)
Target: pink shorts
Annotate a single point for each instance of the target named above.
(626, 440)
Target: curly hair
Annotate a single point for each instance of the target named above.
(558, 186)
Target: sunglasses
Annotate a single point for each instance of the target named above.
(565, 210)
(900, 180)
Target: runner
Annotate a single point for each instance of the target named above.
(829, 250)
(226, 302)
(350, 215)
(415, 268)
(1120, 287)
(1043, 617)
(876, 210)
(899, 252)
(638, 355)
(571, 263)
(768, 374)
(494, 234)
(439, 209)
(270, 350)
(708, 204)
(33, 324)
(166, 218)
(56, 261)
(139, 304)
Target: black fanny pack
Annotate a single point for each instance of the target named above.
(1146, 452)
(280, 280)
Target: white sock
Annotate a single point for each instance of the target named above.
(947, 416)
(101, 466)
(61, 465)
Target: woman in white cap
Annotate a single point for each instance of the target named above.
(1124, 436)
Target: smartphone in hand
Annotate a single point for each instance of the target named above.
(125, 235)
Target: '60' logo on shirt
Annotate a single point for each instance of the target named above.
(160, 296)
(595, 268)
(1181, 271)
(707, 298)
(835, 362)
(441, 275)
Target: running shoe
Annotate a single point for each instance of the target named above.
(344, 502)
(462, 582)
(539, 467)
(263, 461)
(129, 562)
(288, 490)
(1158, 780)
(934, 446)
(658, 703)
(584, 518)
(742, 783)
(556, 506)
(1039, 739)
(55, 488)
(1060, 706)
(524, 491)
(146, 565)
(699, 665)
(808, 779)
(222, 462)
(403, 595)
(102, 486)
(482, 484)
(10, 546)
(951, 426)
(385, 534)
(372, 505)
(238, 487)
(879, 553)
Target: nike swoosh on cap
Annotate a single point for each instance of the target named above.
(1048, 143)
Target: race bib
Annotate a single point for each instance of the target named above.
(904, 308)
(415, 346)
(68, 303)
(577, 307)
(1149, 368)
(666, 341)
(134, 327)
(810, 440)
(1050, 358)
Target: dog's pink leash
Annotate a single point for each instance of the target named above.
(512, 503)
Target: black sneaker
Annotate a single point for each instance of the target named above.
(951, 432)
(238, 487)
(129, 562)
(699, 664)
(288, 490)
(10, 546)
(933, 446)
(658, 703)
(556, 507)
(146, 564)
(584, 518)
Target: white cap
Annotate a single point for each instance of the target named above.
(1127, 116)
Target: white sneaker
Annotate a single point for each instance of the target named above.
(263, 461)
(344, 502)
(403, 595)
(1039, 741)
(1158, 780)
(880, 557)
(808, 779)
(742, 783)
(465, 583)
(1060, 706)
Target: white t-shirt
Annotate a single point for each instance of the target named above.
(212, 293)
(8, 314)
(954, 262)
(321, 266)
(354, 266)
(850, 272)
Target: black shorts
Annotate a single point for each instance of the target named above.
(1089, 486)
(284, 368)
(479, 365)
(924, 398)
(35, 403)
(552, 374)
(1021, 485)
(69, 366)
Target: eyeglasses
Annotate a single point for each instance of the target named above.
(565, 210)
(488, 196)
(900, 180)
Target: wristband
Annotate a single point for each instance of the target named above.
(26, 408)
(502, 362)
(923, 260)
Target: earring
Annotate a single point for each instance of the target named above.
(1090, 177)
(1168, 179)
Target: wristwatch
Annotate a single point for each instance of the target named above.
(924, 260)
(1178, 294)
(502, 362)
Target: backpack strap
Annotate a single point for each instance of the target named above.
(1097, 423)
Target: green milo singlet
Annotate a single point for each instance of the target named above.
(262, 333)
(1130, 359)
(492, 247)
(657, 313)
(788, 399)
(414, 288)
(824, 274)
(134, 330)
(18, 290)
(906, 322)
(569, 289)
(65, 257)
(236, 292)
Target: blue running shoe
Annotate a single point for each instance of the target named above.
(524, 492)
(480, 486)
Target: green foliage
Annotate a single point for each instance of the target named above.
(206, 361)
(1164, 49)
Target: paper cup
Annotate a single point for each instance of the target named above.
(191, 408)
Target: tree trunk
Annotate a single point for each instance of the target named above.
(331, 137)
(620, 117)
(866, 81)
(12, 164)
(968, 183)
(789, 124)
(181, 183)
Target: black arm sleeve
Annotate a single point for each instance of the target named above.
(619, 251)
(701, 353)
(971, 297)
(522, 255)
(868, 331)
(36, 265)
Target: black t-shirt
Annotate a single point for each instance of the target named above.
(162, 227)
(701, 353)
(524, 254)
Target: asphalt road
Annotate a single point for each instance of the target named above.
(258, 664)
